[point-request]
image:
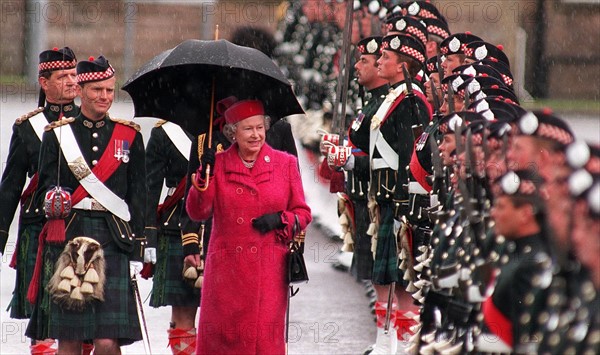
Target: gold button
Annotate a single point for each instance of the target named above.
(240, 220)
(239, 190)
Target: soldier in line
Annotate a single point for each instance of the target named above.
(102, 162)
(354, 200)
(58, 89)
(391, 145)
(167, 155)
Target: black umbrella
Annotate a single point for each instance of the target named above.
(177, 84)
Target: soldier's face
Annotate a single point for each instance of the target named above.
(61, 86)
(366, 70)
(522, 153)
(435, 79)
(250, 135)
(389, 67)
(447, 146)
(97, 97)
(450, 63)
(507, 217)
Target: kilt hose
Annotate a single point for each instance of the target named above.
(386, 267)
(362, 260)
(115, 318)
(26, 251)
(168, 285)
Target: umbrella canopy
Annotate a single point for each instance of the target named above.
(176, 85)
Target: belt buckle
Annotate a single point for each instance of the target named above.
(96, 206)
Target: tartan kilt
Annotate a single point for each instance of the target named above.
(385, 267)
(115, 318)
(27, 246)
(168, 285)
(362, 259)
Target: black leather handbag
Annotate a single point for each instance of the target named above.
(296, 266)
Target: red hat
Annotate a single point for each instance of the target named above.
(242, 110)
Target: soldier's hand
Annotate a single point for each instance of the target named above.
(135, 267)
(193, 260)
(150, 255)
(267, 222)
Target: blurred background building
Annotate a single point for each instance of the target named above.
(553, 45)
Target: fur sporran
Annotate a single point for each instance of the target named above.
(79, 274)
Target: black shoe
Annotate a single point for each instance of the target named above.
(339, 266)
(369, 349)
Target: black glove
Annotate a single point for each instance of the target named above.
(267, 222)
(208, 158)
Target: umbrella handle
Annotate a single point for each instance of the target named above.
(195, 183)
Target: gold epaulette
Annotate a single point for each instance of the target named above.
(160, 123)
(55, 124)
(29, 115)
(127, 123)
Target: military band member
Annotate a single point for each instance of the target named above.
(58, 89)
(101, 160)
(167, 155)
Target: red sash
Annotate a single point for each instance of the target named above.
(173, 199)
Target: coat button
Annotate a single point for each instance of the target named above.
(95, 149)
(238, 249)
(94, 162)
(95, 134)
(253, 250)
(253, 192)
(239, 190)
(240, 220)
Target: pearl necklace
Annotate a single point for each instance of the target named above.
(247, 164)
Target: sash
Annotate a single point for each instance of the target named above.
(177, 135)
(38, 123)
(173, 199)
(91, 180)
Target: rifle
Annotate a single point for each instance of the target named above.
(411, 95)
(341, 97)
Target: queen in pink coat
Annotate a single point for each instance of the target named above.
(254, 197)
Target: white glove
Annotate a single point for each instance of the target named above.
(135, 267)
(150, 255)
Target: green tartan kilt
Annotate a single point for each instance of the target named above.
(385, 267)
(115, 318)
(27, 246)
(168, 285)
(362, 258)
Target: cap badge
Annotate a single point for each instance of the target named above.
(400, 25)
(454, 45)
(481, 53)
(510, 183)
(456, 83)
(395, 43)
(528, 123)
(372, 46)
(414, 9)
(474, 86)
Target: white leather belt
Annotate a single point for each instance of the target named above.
(89, 204)
(416, 188)
(171, 191)
(379, 163)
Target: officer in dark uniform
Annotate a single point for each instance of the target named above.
(391, 144)
(102, 161)
(167, 154)
(57, 92)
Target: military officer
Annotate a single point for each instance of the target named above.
(101, 159)
(167, 155)
(58, 89)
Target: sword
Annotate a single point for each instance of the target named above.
(140, 310)
(339, 113)
(388, 311)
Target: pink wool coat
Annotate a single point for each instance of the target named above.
(244, 295)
